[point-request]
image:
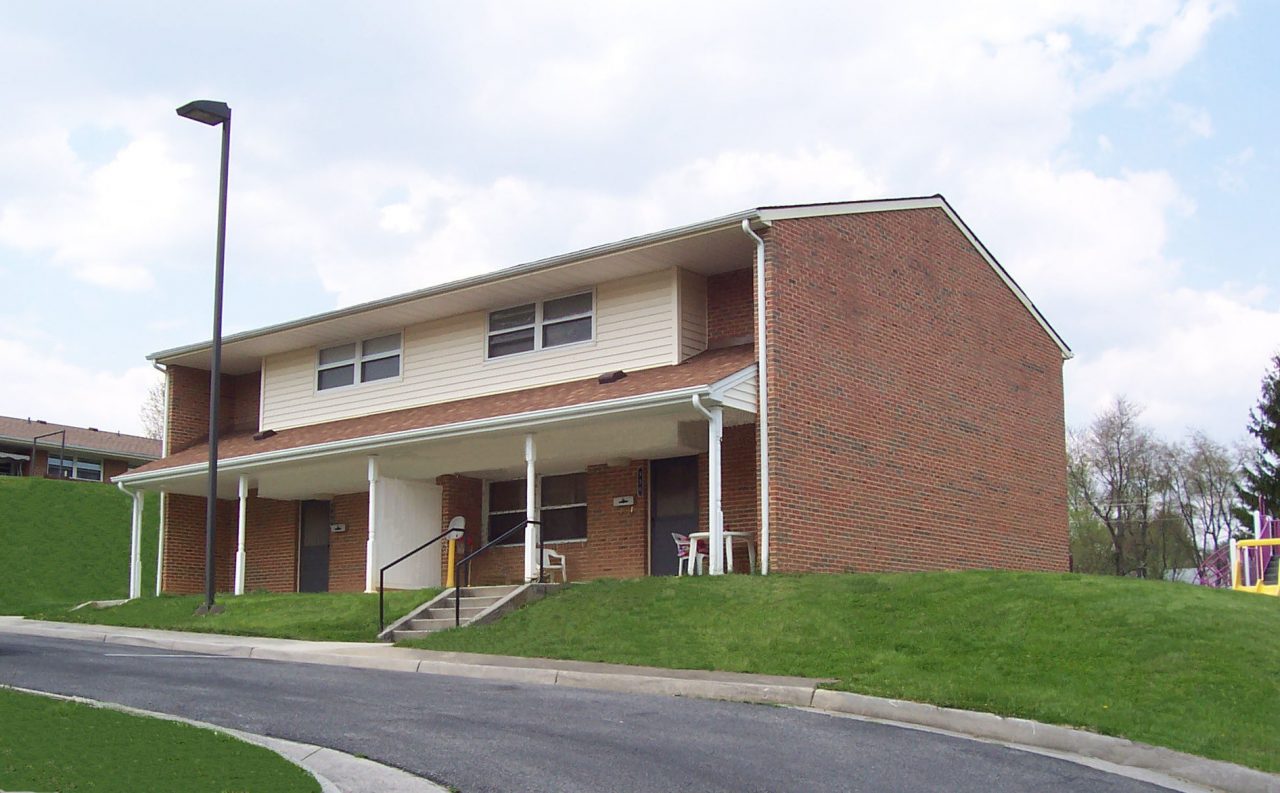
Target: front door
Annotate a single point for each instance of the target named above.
(313, 553)
(673, 509)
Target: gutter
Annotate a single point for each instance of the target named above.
(762, 410)
(366, 443)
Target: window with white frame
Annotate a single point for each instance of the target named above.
(86, 470)
(563, 508)
(541, 325)
(358, 362)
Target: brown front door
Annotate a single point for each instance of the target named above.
(313, 551)
(673, 509)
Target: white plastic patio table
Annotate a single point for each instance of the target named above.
(729, 536)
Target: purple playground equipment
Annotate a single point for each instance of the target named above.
(1247, 565)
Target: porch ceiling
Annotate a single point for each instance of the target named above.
(655, 432)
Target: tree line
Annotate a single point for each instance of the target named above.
(1141, 505)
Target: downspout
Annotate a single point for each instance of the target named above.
(164, 452)
(715, 487)
(762, 371)
(135, 541)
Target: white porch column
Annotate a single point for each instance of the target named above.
(531, 531)
(371, 547)
(160, 546)
(135, 548)
(244, 504)
(715, 512)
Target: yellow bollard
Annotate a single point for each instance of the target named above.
(453, 544)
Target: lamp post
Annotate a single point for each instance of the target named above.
(214, 113)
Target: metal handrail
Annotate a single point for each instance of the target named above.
(1253, 564)
(382, 619)
(457, 568)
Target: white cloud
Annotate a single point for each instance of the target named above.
(567, 124)
(1195, 120)
(40, 383)
(107, 224)
(1231, 172)
(1206, 350)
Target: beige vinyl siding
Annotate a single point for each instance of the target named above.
(444, 359)
(742, 395)
(693, 313)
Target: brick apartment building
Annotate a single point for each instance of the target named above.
(61, 451)
(855, 386)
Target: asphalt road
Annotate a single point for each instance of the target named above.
(483, 736)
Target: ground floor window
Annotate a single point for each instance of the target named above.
(75, 468)
(562, 508)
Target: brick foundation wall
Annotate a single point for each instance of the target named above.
(916, 413)
(731, 306)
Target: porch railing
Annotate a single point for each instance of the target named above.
(382, 573)
(466, 560)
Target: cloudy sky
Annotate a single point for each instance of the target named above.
(1116, 157)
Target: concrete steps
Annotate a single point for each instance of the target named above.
(478, 604)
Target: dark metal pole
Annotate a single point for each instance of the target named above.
(215, 382)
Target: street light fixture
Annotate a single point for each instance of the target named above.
(214, 113)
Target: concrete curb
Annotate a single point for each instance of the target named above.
(797, 692)
(337, 772)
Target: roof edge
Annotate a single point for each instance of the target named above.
(439, 431)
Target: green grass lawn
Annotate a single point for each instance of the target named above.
(1169, 664)
(52, 744)
(68, 542)
(329, 616)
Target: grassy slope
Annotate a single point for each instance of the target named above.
(1170, 664)
(68, 542)
(57, 745)
(331, 616)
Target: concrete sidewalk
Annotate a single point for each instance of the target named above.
(1151, 763)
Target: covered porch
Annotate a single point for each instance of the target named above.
(609, 482)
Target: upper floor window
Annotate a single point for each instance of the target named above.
(358, 361)
(537, 326)
(75, 468)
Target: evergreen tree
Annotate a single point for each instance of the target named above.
(1262, 475)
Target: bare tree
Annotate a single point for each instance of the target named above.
(1205, 476)
(152, 410)
(1118, 472)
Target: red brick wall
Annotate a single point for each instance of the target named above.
(916, 414)
(188, 413)
(731, 306)
(347, 549)
(188, 422)
(271, 545)
(460, 495)
(617, 544)
(241, 396)
(184, 544)
(112, 468)
(739, 493)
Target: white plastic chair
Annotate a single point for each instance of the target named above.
(552, 561)
(682, 555)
